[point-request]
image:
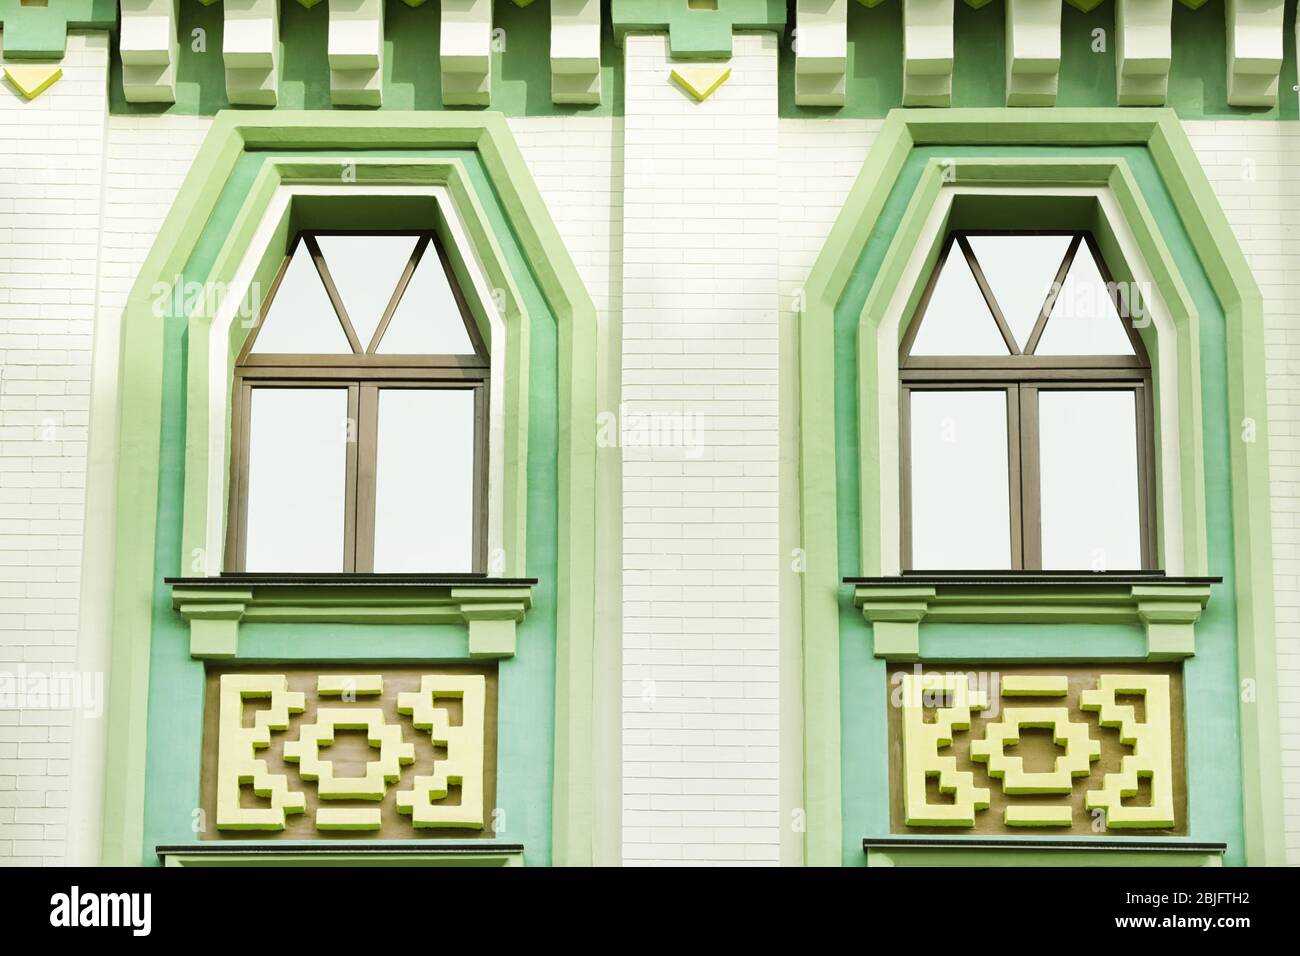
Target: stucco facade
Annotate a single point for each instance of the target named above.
(684, 231)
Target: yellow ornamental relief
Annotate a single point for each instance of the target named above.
(237, 760)
(416, 757)
(1080, 749)
(463, 743)
(1106, 751)
(922, 743)
(1152, 757)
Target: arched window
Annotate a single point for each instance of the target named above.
(359, 419)
(1026, 412)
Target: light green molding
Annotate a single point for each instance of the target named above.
(1044, 210)
(203, 533)
(215, 613)
(1220, 254)
(352, 854)
(140, 410)
(1169, 611)
(698, 34)
(1062, 851)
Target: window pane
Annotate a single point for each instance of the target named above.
(1084, 320)
(1089, 474)
(301, 317)
(365, 270)
(957, 320)
(428, 319)
(424, 482)
(1020, 270)
(961, 517)
(297, 465)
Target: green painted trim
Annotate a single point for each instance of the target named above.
(696, 34)
(41, 33)
(1112, 174)
(279, 172)
(490, 613)
(820, 473)
(231, 854)
(231, 135)
(946, 854)
(521, 80)
(1168, 612)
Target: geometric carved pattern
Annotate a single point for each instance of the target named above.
(1104, 766)
(1151, 758)
(922, 742)
(393, 753)
(1080, 750)
(445, 784)
(237, 761)
(464, 751)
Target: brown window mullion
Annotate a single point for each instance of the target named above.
(1049, 303)
(323, 269)
(366, 447)
(237, 519)
(416, 254)
(1030, 486)
(989, 298)
(1014, 491)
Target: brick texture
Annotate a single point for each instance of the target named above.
(700, 359)
(51, 161)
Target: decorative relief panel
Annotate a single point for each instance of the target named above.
(313, 752)
(1095, 750)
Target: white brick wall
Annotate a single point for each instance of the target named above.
(700, 300)
(1254, 171)
(50, 166)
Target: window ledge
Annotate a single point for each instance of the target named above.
(214, 607)
(1168, 607)
(283, 853)
(1048, 851)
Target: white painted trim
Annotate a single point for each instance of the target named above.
(219, 357)
(1167, 406)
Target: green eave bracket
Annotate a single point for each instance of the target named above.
(1167, 607)
(41, 33)
(1040, 851)
(215, 607)
(697, 29)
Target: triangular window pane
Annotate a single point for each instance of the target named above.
(365, 270)
(428, 319)
(301, 318)
(957, 320)
(1084, 320)
(1020, 270)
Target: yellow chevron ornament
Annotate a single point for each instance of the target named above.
(33, 79)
